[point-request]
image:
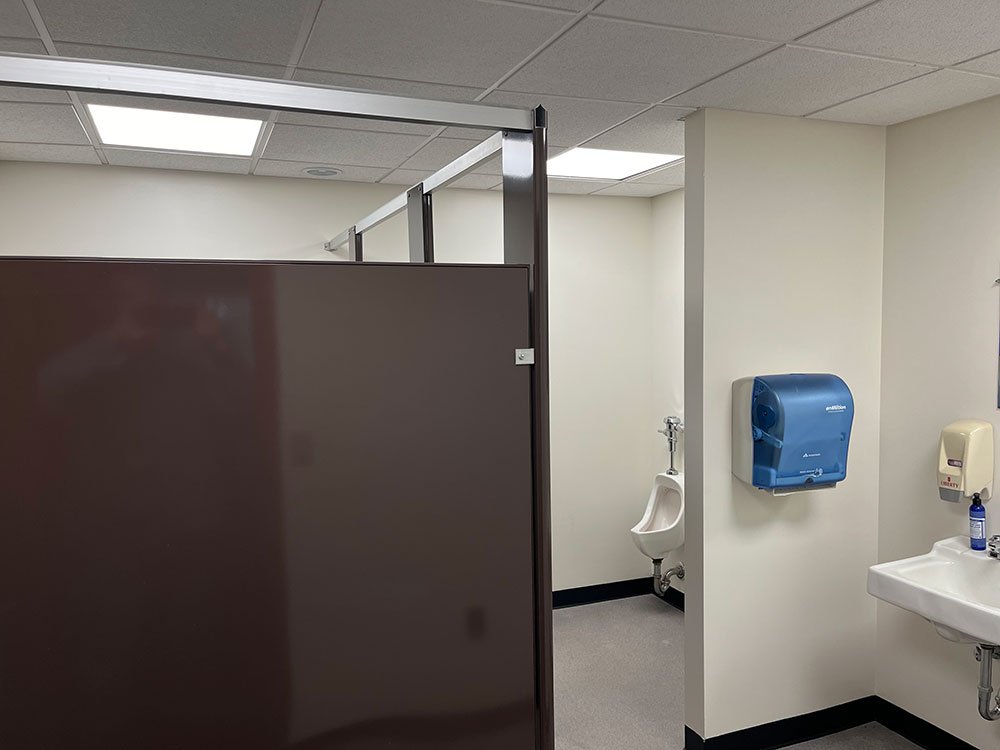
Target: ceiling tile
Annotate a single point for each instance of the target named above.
(927, 31)
(333, 146)
(24, 122)
(476, 182)
(921, 96)
(48, 152)
(657, 131)
(22, 94)
(274, 168)
(439, 152)
(636, 190)
(562, 4)
(796, 81)
(170, 60)
(624, 61)
(14, 19)
(577, 187)
(407, 177)
(120, 157)
(779, 20)
(22, 46)
(570, 120)
(443, 41)
(255, 30)
(668, 176)
(986, 64)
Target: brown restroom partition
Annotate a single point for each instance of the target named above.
(261, 506)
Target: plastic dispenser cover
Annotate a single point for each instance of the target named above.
(801, 427)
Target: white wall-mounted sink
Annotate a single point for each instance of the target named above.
(954, 587)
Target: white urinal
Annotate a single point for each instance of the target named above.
(662, 526)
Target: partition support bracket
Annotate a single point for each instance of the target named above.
(355, 245)
(420, 222)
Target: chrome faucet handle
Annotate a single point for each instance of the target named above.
(993, 545)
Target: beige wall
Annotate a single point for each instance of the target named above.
(787, 256)
(116, 211)
(605, 450)
(668, 325)
(939, 363)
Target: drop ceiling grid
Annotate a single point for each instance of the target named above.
(585, 7)
(310, 12)
(850, 6)
(610, 101)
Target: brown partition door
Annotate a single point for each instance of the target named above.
(264, 506)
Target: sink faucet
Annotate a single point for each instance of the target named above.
(993, 545)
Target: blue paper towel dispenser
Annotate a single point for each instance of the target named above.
(791, 432)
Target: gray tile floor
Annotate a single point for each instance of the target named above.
(619, 676)
(619, 682)
(865, 737)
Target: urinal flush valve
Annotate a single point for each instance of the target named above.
(672, 427)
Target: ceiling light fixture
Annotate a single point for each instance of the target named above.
(175, 131)
(603, 164)
(322, 171)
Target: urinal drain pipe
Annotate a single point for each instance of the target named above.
(985, 655)
(662, 582)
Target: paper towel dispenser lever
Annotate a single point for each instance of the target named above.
(791, 432)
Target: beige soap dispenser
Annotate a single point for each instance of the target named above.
(965, 461)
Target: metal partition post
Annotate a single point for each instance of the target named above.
(355, 245)
(525, 240)
(420, 224)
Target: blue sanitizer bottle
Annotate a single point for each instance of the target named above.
(977, 523)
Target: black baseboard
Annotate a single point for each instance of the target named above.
(788, 731)
(915, 729)
(606, 592)
(674, 598)
(602, 592)
(828, 721)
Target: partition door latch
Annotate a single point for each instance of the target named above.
(524, 356)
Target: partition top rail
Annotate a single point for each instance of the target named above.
(289, 96)
(440, 179)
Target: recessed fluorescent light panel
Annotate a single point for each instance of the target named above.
(175, 131)
(602, 164)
